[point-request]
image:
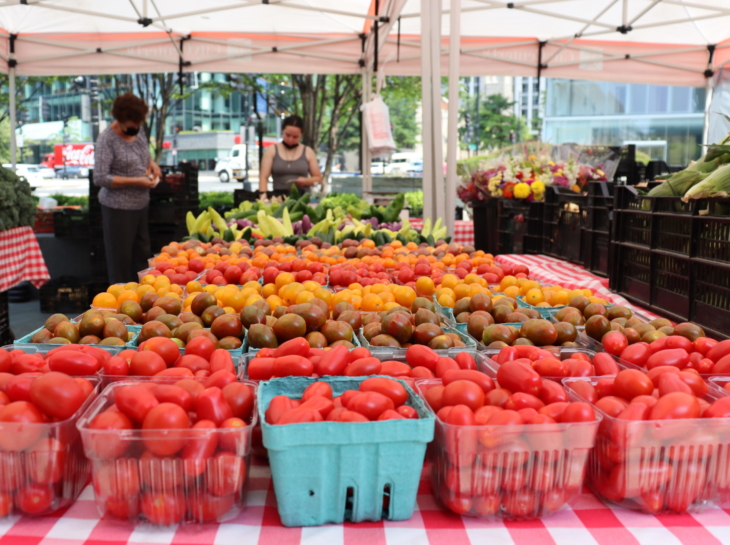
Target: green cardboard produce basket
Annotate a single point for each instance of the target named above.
(326, 472)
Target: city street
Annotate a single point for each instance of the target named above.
(207, 181)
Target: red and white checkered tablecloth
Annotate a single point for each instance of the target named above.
(586, 521)
(463, 231)
(21, 259)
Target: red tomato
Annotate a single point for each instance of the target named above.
(6, 504)
(26, 363)
(552, 392)
(722, 365)
(421, 372)
(720, 408)
(604, 387)
(466, 361)
(160, 472)
(554, 410)
(212, 405)
(703, 345)
(521, 400)
(396, 369)
(116, 366)
(230, 436)
(605, 365)
(632, 479)
(46, 461)
(389, 388)
(578, 412)
(463, 392)
(497, 397)
(333, 362)
(201, 445)
(117, 478)
(612, 405)
(293, 347)
(370, 404)
(299, 415)
(407, 411)
(163, 418)
(226, 474)
(109, 446)
(477, 377)
(630, 383)
(676, 357)
(391, 415)
(193, 362)
(165, 348)
(209, 508)
(20, 437)
(169, 393)
(422, 356)
(317, 389)
(260, 368)
(655, 373)
(550, 367)
(147, 363)
(200, 346)
(434, 397)
(359, 353)
(73, 363)
(585, 389)
(163, 508)
(363, 367)
(6, 360)
(175, 372)
(636, 353)
(18, 387)
(320, 404)
(669, 382)
(240, 398)
(193, 387)
(57, 395)
(614, 342)
(293, 366)
(676, 405)
(135, 401)
(350, 416)
(221, 360)
(220, 379)
(521, 503)
(519, 378)
(34, 499)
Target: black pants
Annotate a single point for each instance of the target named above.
(126, 242)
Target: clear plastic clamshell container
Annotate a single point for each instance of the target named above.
(133, 478)
(517, 472)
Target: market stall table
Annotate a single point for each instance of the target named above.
(587, 521)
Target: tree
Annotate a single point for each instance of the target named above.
(492, 127)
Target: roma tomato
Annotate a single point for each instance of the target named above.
(220, 379)
(200, 346)
(118, 478)
(211, 405)
(630, 383)
(463, 392)
(519, 378)
(240, 398)
(552, 392)
(550, 367)
(199, 448)
(57, 394)
(370, 404)
(135, 401)
(226, 474)
(466, 361)
(169, 393)
(636, 353)
(520, 400)
(110, 446)
(605, 365)
(293, 366)
(147, 364)
(116, 366)
(611, 405)
(585, 389)
(333, 362)
(193, 362)
(72, 362)
(165, 507)
(20, 412)
(363, 367)
(676, 405)
(614, 342)
(676, 357)
(477, 377)
(221, 360)
(320, 404)
(578, 412)
(293, 347)
(160, 421)
(165, 348)
(389, 388)
(422, 356)
(260, 368)
(209, 508)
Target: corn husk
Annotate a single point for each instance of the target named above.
(716, 184)
(678, 184)
(704, 166)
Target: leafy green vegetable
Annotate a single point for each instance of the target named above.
(17, 208)
(215, 199)
(414, 200)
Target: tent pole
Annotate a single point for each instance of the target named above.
(11, 92)
(439, 204)
(454, 43)
(367, 180)
(427, 110)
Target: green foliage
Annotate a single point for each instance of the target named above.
(215, 199)
(68, 200)
(414, 200)
(344, 200)
(492, 126)
(17, 208)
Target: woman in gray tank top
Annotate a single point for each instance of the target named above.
(290, 162)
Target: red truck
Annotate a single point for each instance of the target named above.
(70, 160)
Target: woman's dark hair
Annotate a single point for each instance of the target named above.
(129, 107)
(293, 121)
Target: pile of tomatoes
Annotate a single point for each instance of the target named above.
(33, 458)
(705, 355)
(515, 448)
(376, 399)
(178, 452)
(568, 363)
(658, 447)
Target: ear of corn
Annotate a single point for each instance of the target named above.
(716, 184)
(678, 184)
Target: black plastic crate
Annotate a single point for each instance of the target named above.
(6, 335)
(596, 252)
(711, 297)
(671, 284)
(511, 225)
(570, 234)
(64, 295)
(633, 273)
(71, 223)
(598, 219)
(600, 194)
(535, 219)
(629, 198)
(633, 228)
(532, 244)
(673, 233)
(485, 226)
(712, 235)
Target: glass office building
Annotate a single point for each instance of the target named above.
(664, 122)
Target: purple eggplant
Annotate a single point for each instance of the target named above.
(306, 223)
(297, 227)
(242, 224)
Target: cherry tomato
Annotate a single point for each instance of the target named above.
(211, 404)
(676, 405)
(261, 368)
(200, 346)
(630, 383)
(20, 437)
(135, 401)
(226, 474)
(209, 508)
(165, 348)
(230, 437)
(363, 367)
(160, 420)
(519, 378)
(578, 412)
(164, 507)
(34, 499)
(370, 404)
(109, 445)
(407, 411)
(389, 388)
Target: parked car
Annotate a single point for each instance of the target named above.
(400, 163)
(416, 169)
(377, 167)
(32, 173)
(71, 172)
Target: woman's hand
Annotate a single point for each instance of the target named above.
(155, 169)
(145, 182)
(304, 182)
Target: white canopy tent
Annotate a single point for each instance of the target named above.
(676, 42)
